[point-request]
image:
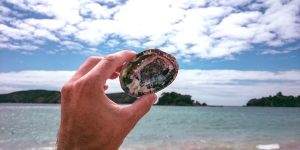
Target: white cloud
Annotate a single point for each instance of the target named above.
(14, 33)
(273, 52)
(4, 10)
(234, 26)
(231, 2)
(16, 46)
(68, 30)
(226, 87)
(284, 51)
(134, 43)
(97, 11)
(71, 45)
(234, 87)
(205, 29)
(7, 89)
(35, 78)
(50, 24)
(41, 33)
(112, 43)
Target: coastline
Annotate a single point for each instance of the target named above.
(208, 106)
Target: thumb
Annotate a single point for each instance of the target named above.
(142, 105)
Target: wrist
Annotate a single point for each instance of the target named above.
(78, 140)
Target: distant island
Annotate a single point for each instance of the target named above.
(278, 100)
(167, 98)
(31, 96)
(45, 96)
(53, 97)
(176, 99)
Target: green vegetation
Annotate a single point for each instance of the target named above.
(168, 98)
(177, 99)
(279, 100)
(44, 96)
(31, 96)
(121, 98)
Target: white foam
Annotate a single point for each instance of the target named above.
(42, 148)
(268, 146)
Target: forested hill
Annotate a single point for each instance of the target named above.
(45, 96)
(31, 96)
(177, 99)
(278, 100)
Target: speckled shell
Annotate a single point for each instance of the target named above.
(151, 71)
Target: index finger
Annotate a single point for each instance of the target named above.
(108, 65)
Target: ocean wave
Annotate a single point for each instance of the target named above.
(268, 146)
(42, 148)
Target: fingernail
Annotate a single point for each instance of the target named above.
(132, 51)
(153, 98)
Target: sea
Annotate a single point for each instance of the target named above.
(34, 127)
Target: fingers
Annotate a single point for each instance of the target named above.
(119, 69)
(108, 65)
(105, 87)
(117, 73)
(86, 67)
(114, 75)
(141, 106)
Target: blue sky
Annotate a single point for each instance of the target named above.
(228, 51)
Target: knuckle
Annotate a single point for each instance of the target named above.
(93, 59)
(66, 88)
(109, 58)
(82, 83)
(127, 51)
(66, 91)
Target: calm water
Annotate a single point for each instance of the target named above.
(209, 128)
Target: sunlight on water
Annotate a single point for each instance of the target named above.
(268, 147)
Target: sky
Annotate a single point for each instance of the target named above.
(229, 51)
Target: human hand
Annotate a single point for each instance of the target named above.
(89, 119)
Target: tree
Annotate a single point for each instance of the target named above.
(173, 98)
(279, 100)
(279, 94)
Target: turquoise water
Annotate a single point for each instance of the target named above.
(165, 127)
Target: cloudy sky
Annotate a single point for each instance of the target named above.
(228, 50)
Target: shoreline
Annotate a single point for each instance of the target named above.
(209, 106)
